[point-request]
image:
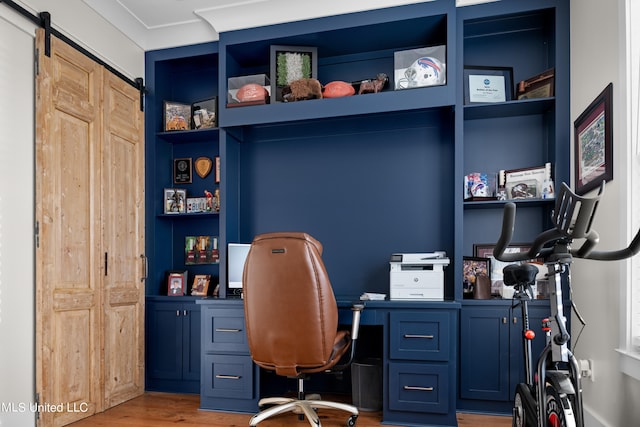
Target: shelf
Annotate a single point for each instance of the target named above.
(191, 215)
(493, 204)
(198, 135)
(384, 102)
(508, 109)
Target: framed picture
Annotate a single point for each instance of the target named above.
(200, 284)
(177, 116)
(487, 84)
(593, 141)
(217, 169)
(471, 268)
(529, 183)
(182, 171)
(496, 266)
(175, 201)
(539, 86)
(176, 283)
(204, 114)
(289, 63)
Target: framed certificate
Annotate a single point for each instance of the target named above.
(487, 84)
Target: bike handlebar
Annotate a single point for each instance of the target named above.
(573, 216)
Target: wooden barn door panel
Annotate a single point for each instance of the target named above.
(89, 297)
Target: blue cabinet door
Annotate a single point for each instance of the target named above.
(164, 340)
(484, 353)
(191, 342)
(172, 346)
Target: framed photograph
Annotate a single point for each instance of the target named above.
(539, 86)
(217, 169)
(182, 171)
(529, 183)
(593, 141)
(175, 201)
(176, 283)
(204, 114)
(471, 268)
(177, 116)
(289, 63)
(201, 250)
(487, 84)
(200, 284)
(496, 275)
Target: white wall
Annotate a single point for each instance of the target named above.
(82, 24)
(17, 293)
(597, 58)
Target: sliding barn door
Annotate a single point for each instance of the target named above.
(123, 242)
(89, 294)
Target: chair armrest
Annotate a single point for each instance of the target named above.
(355, 328)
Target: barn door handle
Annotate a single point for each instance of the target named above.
(145, 267)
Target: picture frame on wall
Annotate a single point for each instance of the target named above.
(484, 84)
(177, 116)
(593, 143)
(290, 63)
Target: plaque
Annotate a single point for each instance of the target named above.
(203, 166)
(182, 171)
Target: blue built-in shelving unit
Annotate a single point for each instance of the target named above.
(372, 174)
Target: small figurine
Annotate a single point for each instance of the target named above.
(374, 86)
(209, 197)
(216, 199)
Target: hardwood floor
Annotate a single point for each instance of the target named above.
(164, 410)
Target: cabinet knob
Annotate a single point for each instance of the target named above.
(178, 313)
(515, 320)
(504, 320)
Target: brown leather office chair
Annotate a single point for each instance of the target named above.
(292, 319)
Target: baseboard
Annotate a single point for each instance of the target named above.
(591, 419)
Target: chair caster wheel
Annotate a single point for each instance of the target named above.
(351, 422)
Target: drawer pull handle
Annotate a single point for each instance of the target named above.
(410, 387)
(428, 337)
(228, 330)
(228, 377)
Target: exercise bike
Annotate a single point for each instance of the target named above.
(553, 396)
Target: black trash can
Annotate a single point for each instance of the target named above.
(366, 384)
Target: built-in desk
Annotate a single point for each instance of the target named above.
(419, 357)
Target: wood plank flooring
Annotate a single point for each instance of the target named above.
(165, 409)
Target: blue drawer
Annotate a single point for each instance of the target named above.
(228, 376)
(420, 335)
(224, 331)
(419, 387)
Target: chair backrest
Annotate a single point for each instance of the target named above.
(290, 309)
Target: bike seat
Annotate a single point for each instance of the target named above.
(524, 273)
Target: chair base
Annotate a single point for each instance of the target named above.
(306, 407)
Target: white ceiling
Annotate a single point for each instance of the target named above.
(155, 24)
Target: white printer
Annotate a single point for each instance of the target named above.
(417, 276)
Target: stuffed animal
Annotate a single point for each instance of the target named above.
(302, 89)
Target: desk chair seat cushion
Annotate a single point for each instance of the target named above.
(290, 309)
